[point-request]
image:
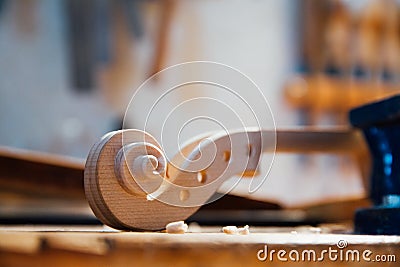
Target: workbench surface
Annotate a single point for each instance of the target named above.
(204, 246)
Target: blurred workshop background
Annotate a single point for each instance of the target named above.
(69, 67)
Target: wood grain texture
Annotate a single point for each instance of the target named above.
(100, 247)
(114, 205)
(125, 192)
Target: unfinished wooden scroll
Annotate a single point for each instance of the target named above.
(130, 184)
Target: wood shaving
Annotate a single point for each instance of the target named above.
(179, 227)
(230, 230)
(233, 230)
(244, 230)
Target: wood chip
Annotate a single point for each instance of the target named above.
(244, 230)
(179, 227)
(230, 230)
(233, 230)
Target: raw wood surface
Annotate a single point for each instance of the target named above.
(128, 187)
(109, 200)
(314, 140)
(43, 246)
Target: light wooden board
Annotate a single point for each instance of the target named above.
(41, 174)
(43, 246)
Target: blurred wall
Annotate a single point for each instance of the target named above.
(39, 110)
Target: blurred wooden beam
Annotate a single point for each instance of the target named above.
(43, 174)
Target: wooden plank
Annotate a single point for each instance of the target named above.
(314, 140)
(208, 248)
(20, 242)
(38, 173)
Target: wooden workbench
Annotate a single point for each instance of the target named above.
(100, 246)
